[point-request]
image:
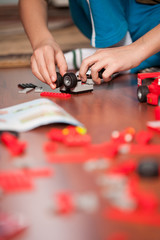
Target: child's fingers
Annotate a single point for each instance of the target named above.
(61, 63)
(39, 57)
(50, 63)
(107, 74)
(35, 70)
(95, 71)
(86, 64)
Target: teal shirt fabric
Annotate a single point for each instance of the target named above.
(106, 22)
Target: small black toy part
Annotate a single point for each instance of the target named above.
(59, 81)
(148, 168)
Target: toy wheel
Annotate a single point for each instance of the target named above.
(69, 80)
(101, 72)
(59, 81)
(158, 101)
(142, 92)
(148, 168)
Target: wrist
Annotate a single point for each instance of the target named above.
(45, 38)
(139, 54)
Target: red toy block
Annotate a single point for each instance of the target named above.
(136, 217)
(38, 172)
(143, 137)
(77, 140)
(50, 147)
(13, 144)
(64, 203)
(12, 181)
(105, 149)
(149, 149)
(125, 168)
(124, 136)
(55, 95)
(67, 158)
(69, 136)
(147, 201)
(157, 113)
(56, 134)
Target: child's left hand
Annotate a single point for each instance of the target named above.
(115, 59)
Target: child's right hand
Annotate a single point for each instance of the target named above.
(46, 55)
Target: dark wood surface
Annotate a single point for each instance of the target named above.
(109, 107)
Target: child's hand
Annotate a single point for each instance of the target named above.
(45, 56)
(112, 59)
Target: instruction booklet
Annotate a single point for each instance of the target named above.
(29, 115)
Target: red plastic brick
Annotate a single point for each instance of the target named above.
(11, 181)
(64, 203)
(147, 201)
(50, 147)
(105, 149)
(38, 172)
(77, 140)
(143, 137)
(124, 136)
(55, 95)
(13, 144)
(145, 149)
(136, 217)
(157, 113)
(125, 168)
(67, 158)
(56, 134)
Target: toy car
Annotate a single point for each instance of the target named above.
(149, 93)
(72, 84)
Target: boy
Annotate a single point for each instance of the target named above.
(106, 23)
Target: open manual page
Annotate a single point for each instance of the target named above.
(29, 115)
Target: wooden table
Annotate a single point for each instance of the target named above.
(109, 107)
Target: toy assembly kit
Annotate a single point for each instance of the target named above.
(118, 184)
(70, 83)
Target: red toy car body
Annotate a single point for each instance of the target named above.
(149, 93)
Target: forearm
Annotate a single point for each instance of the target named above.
(34, 18)
(148, 44)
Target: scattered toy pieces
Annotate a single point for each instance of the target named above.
(66, 202)
(71, 136)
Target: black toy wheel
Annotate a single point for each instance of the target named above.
(59, 81)
(148, 168)
(69, 80)
(101, 72)
(158, 101)
(142, 92)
